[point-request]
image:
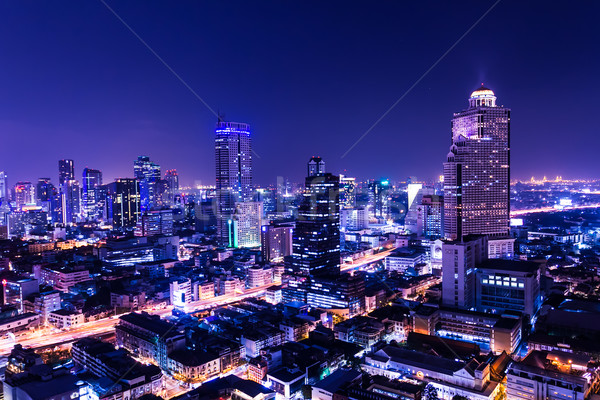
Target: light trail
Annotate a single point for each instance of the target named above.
(552, 209)
(47, 338)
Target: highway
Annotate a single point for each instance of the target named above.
(366, 260)
(48, 337)
(517, 213)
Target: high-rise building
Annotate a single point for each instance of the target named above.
(459, 261)
(379, 199)
(3, 187)
(345, 291)
(123, 203)
(316, 166)
(155, 223)
(477, 171)
(354, 219)
(66, 171)
(43, 190)
(244, 228)
(316, 239)
(70, 201)
(92, 180)
(171, 187)
(425, 214)
(276, 241)
(148, 175)
(233, 172)
(24, 194)
(347, 192)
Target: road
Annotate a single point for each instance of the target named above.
(48, 337)
(517, 213)
(366, 260)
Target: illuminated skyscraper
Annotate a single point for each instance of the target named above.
(3, 187)
(66, 171)
(92, 180)
(347, 192)
(244, 229)
(316, 166)
(148, 175)
(43, 190)
(379, 199)
(233, 171)
(71, 201)
(477, 171)
(316, 238)
(123, 203)
(171, 187)
(24, 194)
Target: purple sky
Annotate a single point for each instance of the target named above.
(310, 77)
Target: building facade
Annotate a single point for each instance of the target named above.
(477, 169)
(233, 171)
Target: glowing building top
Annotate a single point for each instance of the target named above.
(482, 97)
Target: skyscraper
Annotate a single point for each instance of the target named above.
(379, 199)
(171, 187)
(276, 241)
(244, 229)
(347, 192)
(43, 190)
(233, 171)
(316, 166)
(71, 201)
(477, 171)
(92, 180)
(459, 261)
(24, 194)
(148, 175)
(123, 203)
(3, 187)
(316, 239)
(66, 171)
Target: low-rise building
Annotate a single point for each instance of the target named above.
(449, 377)
(193, 366)
(255, 340)
(363, 331)
(43, 304)
(19, 324)
(63, 319)
(552, 376)
(149, 337)
(128, 300)
(64, 278)
(286, 382)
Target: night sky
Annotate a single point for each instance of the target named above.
(310, 77)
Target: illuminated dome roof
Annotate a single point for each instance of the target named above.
(482, 91)
(482, 97)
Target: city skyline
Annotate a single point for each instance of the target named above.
(334, 97)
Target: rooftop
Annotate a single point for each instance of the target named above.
(338, 380)
(510, 265)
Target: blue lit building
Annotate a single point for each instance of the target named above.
(148, 175)
(233, 172)
(92, 180)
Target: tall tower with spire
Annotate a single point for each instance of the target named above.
(477, 170)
